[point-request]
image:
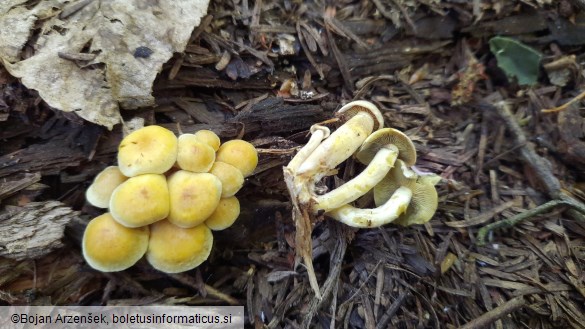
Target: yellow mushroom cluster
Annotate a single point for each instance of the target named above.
(164, 199)
(401, 195)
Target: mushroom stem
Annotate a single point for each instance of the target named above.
(375, 171)
(318, 134)
(339, 146)
(382, 215)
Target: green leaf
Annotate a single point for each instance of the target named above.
(516, 59)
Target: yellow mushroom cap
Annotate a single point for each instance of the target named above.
(239, 154)
(231, 178)
(140, 200)
(194, 197)
(194, 155)
(209, 138)
(173, 249)
(399, 175)
(149, 150)
(423, 204)
(385, 136)
(225, 214)
(110, 247)
(99, 192)
(352, 108)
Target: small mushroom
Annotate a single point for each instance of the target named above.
(361, 119)
(208, 137)
(379, 151)
(231, 178)
(149, 150)
(99, 192)
(318, 134)
(399, 175)
(424, 202)
(239, 154)
(225, 214)
(193, 197)
(174, 249)
(141, 200)
(383, 137)
(194, 154)
(108, 246)
(382, 215)
(361, 184)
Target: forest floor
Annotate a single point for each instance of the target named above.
(265, 72)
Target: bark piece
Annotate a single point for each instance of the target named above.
(34, 230)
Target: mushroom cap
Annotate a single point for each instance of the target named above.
(423, 204)
(174, 249)
(141, 200)
(193, 197)
(399, 175)
(208, 137)
(239, 154)
(317, 127)
(194, 154)
(352, 108)
(109, 247)
(149, 150)
(99, 192)
(385, 136)
(225, 214)
(231, 178)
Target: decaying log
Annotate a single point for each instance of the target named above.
(48, 158)
(34, 230)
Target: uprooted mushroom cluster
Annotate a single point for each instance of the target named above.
(164, 198)
(401, 196)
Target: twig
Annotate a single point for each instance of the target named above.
(392, 310)
(497, 313)
(564, 106)
(190, 282)
(509, 222)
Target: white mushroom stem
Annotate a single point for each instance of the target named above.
(318, 134)
(339, 146)
(376, 170)
(382, 215)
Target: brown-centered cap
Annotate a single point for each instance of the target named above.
(385, 136)
(225, 214)
(193, 197)
(352, 108)
(109, 246)
(399, 175)
(99, 192)
(423, 204)
(148, 150)
(239, 154)
(174, 249)
(208, 137)
(140, 200)
(231, 178)
(194, 154)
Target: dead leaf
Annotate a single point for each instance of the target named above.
(130, 40)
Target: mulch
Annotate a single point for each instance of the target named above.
(265, 72)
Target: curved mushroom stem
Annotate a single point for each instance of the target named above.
(318, 134)
(339, 146)
(384, 214)
(375, 171)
